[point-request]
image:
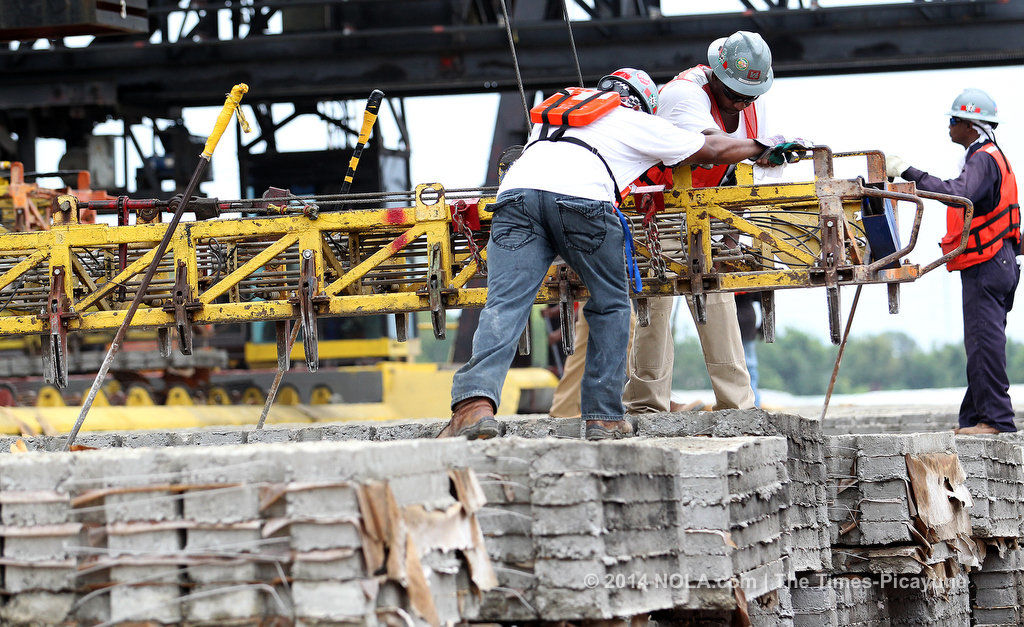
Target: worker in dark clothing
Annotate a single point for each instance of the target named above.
(750, 332)
(988, 267)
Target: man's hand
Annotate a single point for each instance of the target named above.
(780, 149)
(895, 166)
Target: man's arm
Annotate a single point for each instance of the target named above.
(724, 149)
(978, 176)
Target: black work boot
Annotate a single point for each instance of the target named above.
(473, 418)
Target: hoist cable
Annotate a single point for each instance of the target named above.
(515, 64)
(572, 41)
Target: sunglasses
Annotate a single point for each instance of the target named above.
(735, 97)
(954, 121)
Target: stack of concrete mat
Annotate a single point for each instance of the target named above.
(869, 485)
(771, 610)
(806, 535)
(580, 530)
(843, 420)
(319, 532)
(860, 603)
(997, 590)
(814, 604)
(913, 601)
(995, 473)
(735, 515)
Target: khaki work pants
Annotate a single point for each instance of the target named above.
(652, 354)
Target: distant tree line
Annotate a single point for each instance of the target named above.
(801, 364)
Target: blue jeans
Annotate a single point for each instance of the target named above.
(750, 357)
(530, 227)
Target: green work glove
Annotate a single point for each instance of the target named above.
(786, 152)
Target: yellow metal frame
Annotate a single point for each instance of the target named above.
(408, 234)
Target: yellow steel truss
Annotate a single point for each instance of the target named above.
(412, 258)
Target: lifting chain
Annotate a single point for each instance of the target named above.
(649, 208)
(459, 209)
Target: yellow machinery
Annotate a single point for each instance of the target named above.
(302, 258)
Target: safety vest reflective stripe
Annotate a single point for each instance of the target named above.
(987, 230)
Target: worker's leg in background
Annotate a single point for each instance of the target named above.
(518, 258)
(988, 289)
(651, 356)
(566, 402)
(750, 356)
(723, 352)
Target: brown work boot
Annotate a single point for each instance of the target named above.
(982, 428)
(473, 418)
(608, 429)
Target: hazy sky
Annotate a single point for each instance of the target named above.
(901, 113)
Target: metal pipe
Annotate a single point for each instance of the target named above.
(230, 105)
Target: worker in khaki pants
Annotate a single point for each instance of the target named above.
(720, 98)
(649, 386)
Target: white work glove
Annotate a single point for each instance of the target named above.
(894, 166)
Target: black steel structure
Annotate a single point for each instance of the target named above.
(307, 52)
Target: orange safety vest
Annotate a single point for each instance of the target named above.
(989, 229)
(705, 177)
(701, 177)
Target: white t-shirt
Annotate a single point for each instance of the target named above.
(688, 106)
(630, 142)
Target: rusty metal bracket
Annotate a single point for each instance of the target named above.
(122, 249)
(435, 281)
(525, 341)
(64, 210)
(55, 346)
(182, 307)
(566, 320)
(284, 358)
(643, 312)
(163, 341)
(401, 327)
(695, 252)
(768, 316)
(308, 300)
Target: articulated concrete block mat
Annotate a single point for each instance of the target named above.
(814, 606)
(549, 528)
(202, 535)
(995, 479)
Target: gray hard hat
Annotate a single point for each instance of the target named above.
(974, 104)
(743, 62)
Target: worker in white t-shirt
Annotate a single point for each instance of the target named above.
(721, 98)
(558, 199)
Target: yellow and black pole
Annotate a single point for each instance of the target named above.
(229, 109)
(369, 118)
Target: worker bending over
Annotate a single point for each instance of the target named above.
(988, 266)
(559, 199)
(720, 98)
